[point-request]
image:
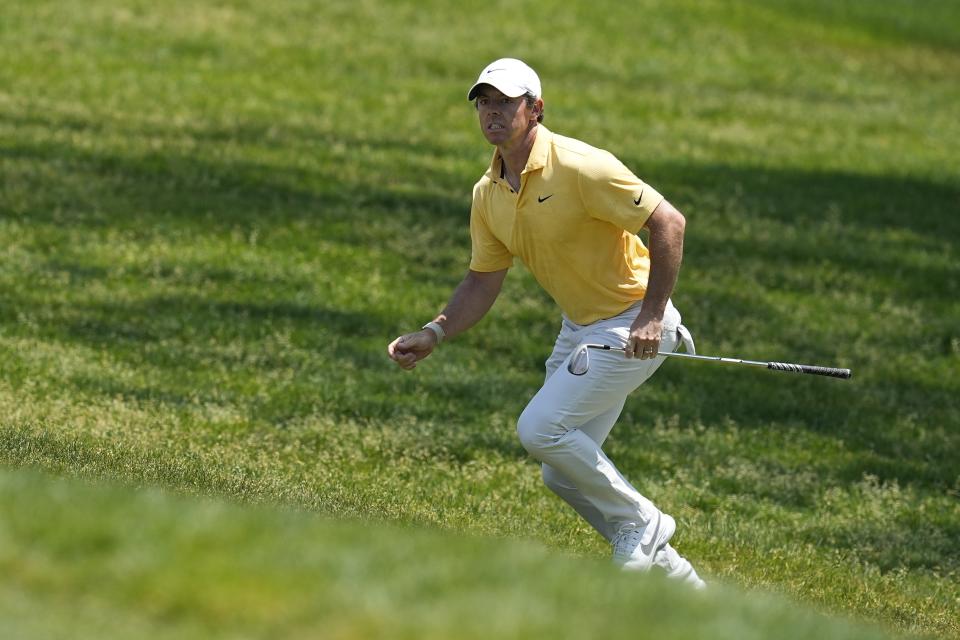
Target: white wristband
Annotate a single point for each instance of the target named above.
(437, 329)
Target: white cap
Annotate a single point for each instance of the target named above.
(512, 77)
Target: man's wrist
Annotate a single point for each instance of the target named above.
(437, 330)
(652, 312)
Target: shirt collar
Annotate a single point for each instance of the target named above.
(541, 149)
(536, 160)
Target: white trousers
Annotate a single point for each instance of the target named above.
(567, 421)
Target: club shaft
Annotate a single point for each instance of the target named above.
(775, 366)
(676, 354)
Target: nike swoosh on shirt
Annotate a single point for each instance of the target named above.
(542, 199)
(648, 549)
(637, 201)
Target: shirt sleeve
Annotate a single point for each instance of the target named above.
(488, 252)
(611, 192)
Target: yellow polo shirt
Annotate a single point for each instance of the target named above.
(573, 223)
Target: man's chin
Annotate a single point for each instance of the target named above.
(494, 137)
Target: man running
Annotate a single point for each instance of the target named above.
(571, 213)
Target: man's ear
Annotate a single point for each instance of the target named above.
(538, 107)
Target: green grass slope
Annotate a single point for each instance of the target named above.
(100, 562)
(214, 216)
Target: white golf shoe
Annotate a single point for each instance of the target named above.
(677, 567)
(634, 549)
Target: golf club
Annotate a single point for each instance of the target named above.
(580, 362)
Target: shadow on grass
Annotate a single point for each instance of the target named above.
(134, 188)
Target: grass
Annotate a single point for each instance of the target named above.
(213, 216)
(105, 562)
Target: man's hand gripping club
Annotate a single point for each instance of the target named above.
(644, 340)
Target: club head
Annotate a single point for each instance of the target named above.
(579, 362)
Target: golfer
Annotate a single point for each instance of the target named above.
(571, 213)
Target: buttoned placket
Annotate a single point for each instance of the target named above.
(514, 195)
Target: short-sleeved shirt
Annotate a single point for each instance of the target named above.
(573, 223)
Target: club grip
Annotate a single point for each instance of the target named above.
(809, 368)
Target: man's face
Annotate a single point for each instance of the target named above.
(503, 120)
